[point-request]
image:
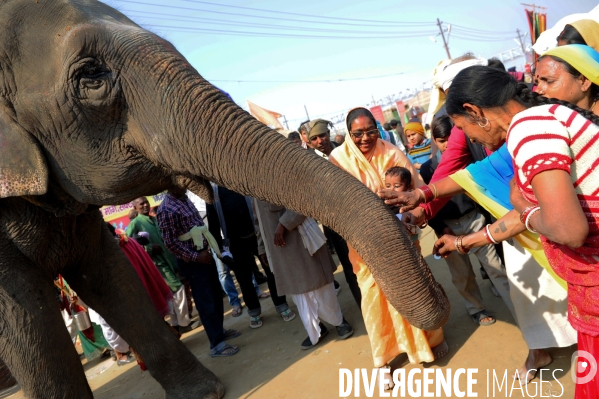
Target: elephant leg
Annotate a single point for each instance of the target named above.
(34, 342)
(107, 282)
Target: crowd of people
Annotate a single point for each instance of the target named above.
(526, 153)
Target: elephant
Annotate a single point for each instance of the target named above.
(95, 110)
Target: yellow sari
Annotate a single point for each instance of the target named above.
(390, 335)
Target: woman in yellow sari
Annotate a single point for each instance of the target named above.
(367, 157)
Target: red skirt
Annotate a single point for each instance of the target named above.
(587, 380)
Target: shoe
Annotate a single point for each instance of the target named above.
(129, 359)
(255, 322)
(478, 316)
(337, 287)
(288, 315)
(307, 344)
(226, 350)
(191, 327)
(237, 311)
(230, 334)
(344, 330)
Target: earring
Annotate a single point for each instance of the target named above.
(485, 125)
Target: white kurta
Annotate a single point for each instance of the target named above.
(315, 305)
(541, 304)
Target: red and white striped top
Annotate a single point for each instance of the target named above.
(552, 137)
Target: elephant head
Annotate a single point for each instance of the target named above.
(96, 110)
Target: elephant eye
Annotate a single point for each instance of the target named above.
(94, 72)
(95, 81)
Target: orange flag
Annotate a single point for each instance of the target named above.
(269, 118)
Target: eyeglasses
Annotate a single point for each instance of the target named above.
(371, 133)
(321, 136)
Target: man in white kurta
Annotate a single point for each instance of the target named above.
(307, 278)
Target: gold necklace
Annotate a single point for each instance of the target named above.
(593, 106)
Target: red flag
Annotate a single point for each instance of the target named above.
(377, 112)
(269, 118)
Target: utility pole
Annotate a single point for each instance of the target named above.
(443, 37)
(285, 121)
(520, 39)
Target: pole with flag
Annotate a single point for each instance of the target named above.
(269, 118)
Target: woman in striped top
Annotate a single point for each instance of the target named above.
(554, 146)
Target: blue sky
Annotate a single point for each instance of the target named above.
(284, 66)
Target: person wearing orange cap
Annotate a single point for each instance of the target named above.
(420, 147)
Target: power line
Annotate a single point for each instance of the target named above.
(460, 32)
(258, 16)
(391, 34)
(268, 26)
(394, 23)
(314, 81)
(267, 34)
(453, 26)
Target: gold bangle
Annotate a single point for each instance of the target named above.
(434, 189)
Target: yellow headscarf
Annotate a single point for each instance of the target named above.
(589, 30)
(385, 155)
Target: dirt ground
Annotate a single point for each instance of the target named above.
(271, 364)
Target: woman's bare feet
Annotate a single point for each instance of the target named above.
(537, 358)
(440, 350)
(389, 385)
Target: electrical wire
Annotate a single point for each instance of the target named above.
(256, 16)
(267, 34)
(459, 31)
(315, 81)
(394, 23)
(268, 26)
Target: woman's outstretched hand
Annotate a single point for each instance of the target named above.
(444, 246)
(406, 201)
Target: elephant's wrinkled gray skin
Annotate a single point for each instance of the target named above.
(95, 110)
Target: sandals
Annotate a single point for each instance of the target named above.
(227, 350)
(255, 322)
(288, 315)
(230, 334)
(237, 311)
(478, 316)
(263, 295)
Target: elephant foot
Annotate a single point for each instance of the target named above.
(206, 389)
(218, 394)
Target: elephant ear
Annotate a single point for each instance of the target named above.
(23, 169)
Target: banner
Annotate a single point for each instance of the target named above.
(401, 109)
(118, 215)
(537, 23)
(377, 112)
(269, 118)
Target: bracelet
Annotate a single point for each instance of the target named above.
(527, 221)
(458, 245)
(435, 190)
(526, 212)
(428, 194)
(488, 235)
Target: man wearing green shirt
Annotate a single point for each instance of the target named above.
(164, 261)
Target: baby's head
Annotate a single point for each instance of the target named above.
(398, 179)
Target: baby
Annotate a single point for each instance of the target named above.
(400, 179)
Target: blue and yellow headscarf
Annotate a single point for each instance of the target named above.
(583, 58)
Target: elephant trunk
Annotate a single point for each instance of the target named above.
(201, 133)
